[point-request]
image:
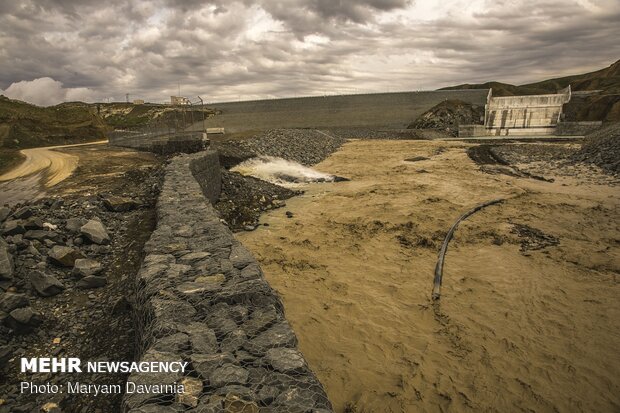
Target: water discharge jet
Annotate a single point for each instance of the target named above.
(283, 172)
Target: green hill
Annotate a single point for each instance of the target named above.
(23, 125)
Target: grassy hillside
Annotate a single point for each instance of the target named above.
(23, 125)
(607, 80)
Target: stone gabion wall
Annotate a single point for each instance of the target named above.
(206, 170)
(202, 298)
(163, 143)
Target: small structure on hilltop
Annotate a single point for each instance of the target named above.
(179, 100)
(520, 115)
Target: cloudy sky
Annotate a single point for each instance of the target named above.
(92, 50)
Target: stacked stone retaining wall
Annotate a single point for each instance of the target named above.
(163, 143)
(202, 299)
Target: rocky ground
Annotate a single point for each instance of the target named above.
(66, 276)
(602, 148)
(245, 198)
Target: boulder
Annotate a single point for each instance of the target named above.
(285, 359)
(33, 223)
(74, 224)
(295, 399)
(84, 267)
(175, 343)
(4, 213)
(119, 204)
(236, 404)
(280, 335)
(24, 319)
(45, 284)
(13, 228)
(10, 301)
(40, 234)
(32, 250)
(234, 340)
(202, 338)
(240, 256)
(192, 391)
(95, 231)
(7, 268)
(205, 365)
(92, 281)
(64, 256)
(23, 213)
(6, 352)
(228, 374)
(267, 394)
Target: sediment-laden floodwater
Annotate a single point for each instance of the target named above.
(529, 318)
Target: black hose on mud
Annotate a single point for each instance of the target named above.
(444, 247)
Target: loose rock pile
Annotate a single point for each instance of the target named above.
(602, 148)
(448, 115)
(305, 146)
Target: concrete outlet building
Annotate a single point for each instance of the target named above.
(520, 115)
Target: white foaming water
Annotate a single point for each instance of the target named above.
(280, 171)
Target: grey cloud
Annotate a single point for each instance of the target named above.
(211, 47)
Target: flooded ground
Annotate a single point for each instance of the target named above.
(529, 318)
(80, 169)
(42, 168)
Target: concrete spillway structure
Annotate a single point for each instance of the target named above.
(524, 115)
(520, 115)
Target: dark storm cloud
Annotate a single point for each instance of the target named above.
(90, 49)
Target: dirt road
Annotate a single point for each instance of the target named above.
(529, 318)
(42, 168)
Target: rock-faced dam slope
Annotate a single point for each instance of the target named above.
(385, 110)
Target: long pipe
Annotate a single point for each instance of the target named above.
(444, 246)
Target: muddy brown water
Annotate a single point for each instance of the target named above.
(41, 169)
(515, 329)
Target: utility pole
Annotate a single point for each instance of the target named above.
(127, 97)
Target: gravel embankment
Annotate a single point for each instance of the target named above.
(305, 146)
(390, 134)
(602, 148)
